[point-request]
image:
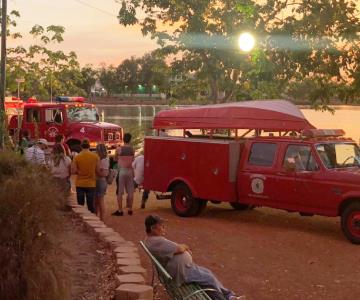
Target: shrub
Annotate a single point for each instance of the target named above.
(30, 223)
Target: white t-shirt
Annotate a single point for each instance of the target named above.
(62, 170)
(35, 155)
(138, 166)
(104, 164)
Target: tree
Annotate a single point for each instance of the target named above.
(153, 72)
(89, 76)
(109, 79)
(300, 42)
(315, 47)
(202, 34)
(128, 74)
(46, 72)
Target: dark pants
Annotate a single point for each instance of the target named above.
(89, 194)
(145, 194)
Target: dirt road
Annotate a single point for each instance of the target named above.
(263, 253)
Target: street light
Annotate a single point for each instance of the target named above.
(19, 80)
(246, 41)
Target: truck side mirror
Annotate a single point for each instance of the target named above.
(290, 165)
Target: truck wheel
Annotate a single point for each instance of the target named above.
(202, 206)
(350, 222)
(239, 206)
(182, 202)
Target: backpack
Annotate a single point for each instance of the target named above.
(110, 177)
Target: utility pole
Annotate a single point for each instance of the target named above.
(3, 72)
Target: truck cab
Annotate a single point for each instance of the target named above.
(73, 118)
(258, 153)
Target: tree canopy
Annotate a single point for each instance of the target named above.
(307, 49)
(46, 72)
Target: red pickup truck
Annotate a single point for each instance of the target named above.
(256, 153)
(69, 116)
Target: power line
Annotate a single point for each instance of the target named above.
(96, 8)
(99, 9)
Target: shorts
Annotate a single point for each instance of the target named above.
(101, 186)
(126, 181)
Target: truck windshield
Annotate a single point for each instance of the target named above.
(339, 155)
(82, 113)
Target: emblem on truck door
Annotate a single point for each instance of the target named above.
(257, 185)
(52, 132)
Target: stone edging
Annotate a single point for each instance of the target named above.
(130, 277)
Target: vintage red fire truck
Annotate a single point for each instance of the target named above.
(254, 153)
(69, 116)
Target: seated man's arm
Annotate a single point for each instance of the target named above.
(181, 248)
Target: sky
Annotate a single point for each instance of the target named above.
(91, 29)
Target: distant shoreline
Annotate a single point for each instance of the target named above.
(114, 101)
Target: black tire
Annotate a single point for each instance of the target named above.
(240, 206)
(202, 206)
(183, 203)
(350, 222)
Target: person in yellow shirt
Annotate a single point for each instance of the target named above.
(84, 166)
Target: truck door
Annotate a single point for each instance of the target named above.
(54, 123)
(256, 177)
(31, 122)
(298, 182)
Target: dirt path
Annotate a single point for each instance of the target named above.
(88, 264)
(266, 253)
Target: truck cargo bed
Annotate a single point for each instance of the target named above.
(207, 166)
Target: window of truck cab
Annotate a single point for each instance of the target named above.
(82, 114)
(54, 115)
(338, 154)
(301, 156)
(262, 154)
(33, 115)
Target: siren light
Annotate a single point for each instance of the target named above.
(69, 99)
(31, 100)
(313, 133)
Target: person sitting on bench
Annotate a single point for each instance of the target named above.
(177, 260)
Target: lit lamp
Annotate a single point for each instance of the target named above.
(246, 42)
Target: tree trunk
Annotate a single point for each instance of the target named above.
(228, 96)
(214, 89)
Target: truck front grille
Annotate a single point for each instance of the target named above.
(111, 135)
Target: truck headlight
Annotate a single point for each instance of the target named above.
(117, 135)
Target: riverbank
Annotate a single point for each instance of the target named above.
(173, 102)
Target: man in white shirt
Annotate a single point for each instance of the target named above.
(36, 154)
(138, 167)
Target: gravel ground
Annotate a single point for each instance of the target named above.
(263, 253)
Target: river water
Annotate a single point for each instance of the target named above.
(138, 119)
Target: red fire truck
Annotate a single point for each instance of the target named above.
(13, 107)
(255, 153)
(69, 116)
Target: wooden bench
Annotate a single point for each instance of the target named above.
(189, 291)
